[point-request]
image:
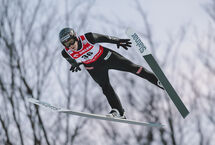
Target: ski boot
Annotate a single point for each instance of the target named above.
(160, 85)
(114, 113)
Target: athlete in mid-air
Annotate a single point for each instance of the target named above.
(98, 60)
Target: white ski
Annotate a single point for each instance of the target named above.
(94, 116)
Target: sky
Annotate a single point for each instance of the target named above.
(165, 13)
(164, 16)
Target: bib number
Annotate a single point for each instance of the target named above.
(87, 55)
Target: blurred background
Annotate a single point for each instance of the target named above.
(180, 35)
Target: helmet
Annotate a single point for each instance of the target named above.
(67, 36)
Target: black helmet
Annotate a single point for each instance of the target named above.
(67, 36)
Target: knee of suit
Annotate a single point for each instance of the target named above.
(106, 88)
(139, 70)
(142, 70)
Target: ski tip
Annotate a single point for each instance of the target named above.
(31, 100)
(43, 104)
(129, 31)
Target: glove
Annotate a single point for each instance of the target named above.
(75, 67)
(124, 43)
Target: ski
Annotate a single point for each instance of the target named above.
(90, 115)
(145, 53)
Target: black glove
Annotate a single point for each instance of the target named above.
(75, 67)
(124, 43)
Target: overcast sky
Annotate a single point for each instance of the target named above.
(163, 15)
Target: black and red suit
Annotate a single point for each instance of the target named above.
(98, 60)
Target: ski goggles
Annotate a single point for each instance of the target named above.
(69, 42)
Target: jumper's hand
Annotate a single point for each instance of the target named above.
(75, 67)
(125, 43)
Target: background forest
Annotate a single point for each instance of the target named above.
(180, 35)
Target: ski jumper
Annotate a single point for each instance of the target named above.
(98, 60)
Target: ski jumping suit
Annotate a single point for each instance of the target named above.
(98, 60)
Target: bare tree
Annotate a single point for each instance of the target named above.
(31, 67)
(20, 64)
(203, 88)
(27, 60)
